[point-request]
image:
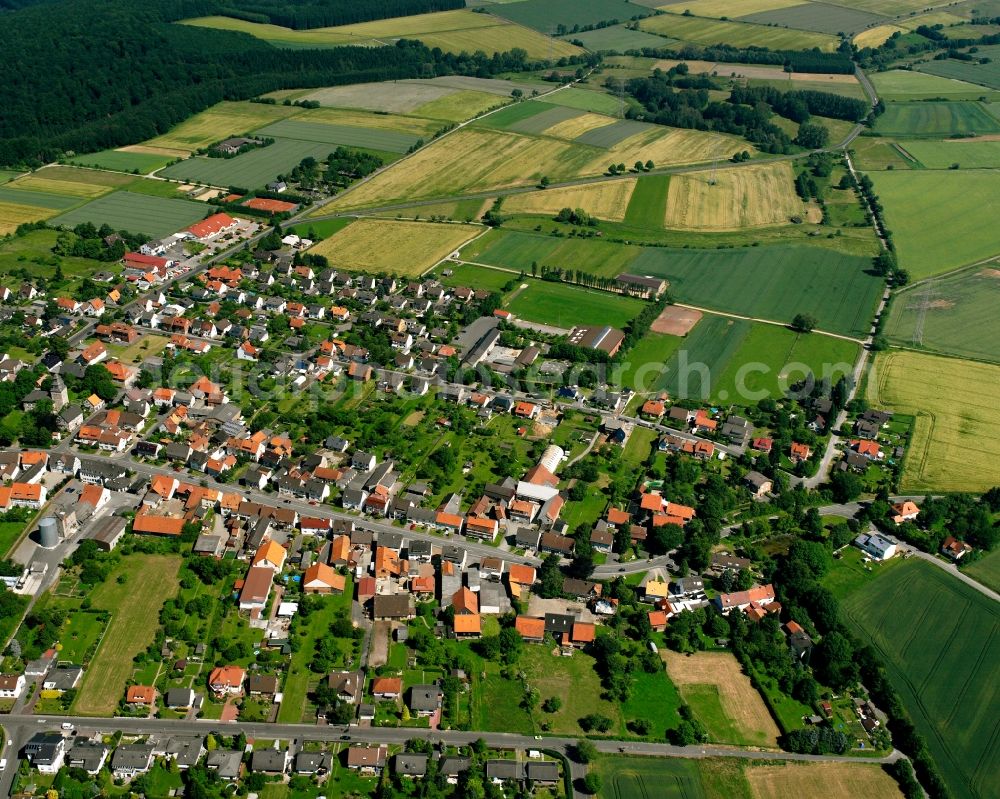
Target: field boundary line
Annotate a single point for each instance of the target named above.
(766, 321)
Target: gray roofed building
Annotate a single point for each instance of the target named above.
(131, 759)
(226, 762)
(501, 770)
(425, 699)
(527, 537)
(269, 761)
(107, 532)
(390, 540)
(312, 763)
(63, 678)
(186, 751)
(410, 764)
(452, 766)
(546, 771)
(87, 754)
(46, 751)
(179, 698)
(559, 623)
(208, 544)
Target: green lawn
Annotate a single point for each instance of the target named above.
(850, 572)
(643, 361)
(79, 634)
(654, 698)
(564, 305)
(9, 533)
(496, 704)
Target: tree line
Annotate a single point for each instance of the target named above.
(300, 14)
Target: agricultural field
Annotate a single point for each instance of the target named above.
(616, 37)
(729, 199)
(14, 214)
(546, 15)
(564, 306)
(457, 211)
(72, 182)
(338, 135)
(731, 9)
(821, 17)
(531, 116)
(459, 106)
(699, 30)
(129, 631)
(606, 199)
(919, 204)
(904, 84)
(722, 698)
(648, 205)
(252, 169)
(957, 432)
(398, 248)
(821, 779)
(956, 634)
(986, 570)
(877, 36)
(33, 251)
(987, 74)
(936, 119)
(774, 282)
(452, 31)
(136, 213)
(832, 84)
(219, 122)
(946, 154)
(672, 778)
(598, 102)
(642, 365)
(890, 7)
(124, 160)
(482, 277)
(874, 153)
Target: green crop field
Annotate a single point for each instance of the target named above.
(219, 122)
(648, 204)
(642, 365)
(942, 657)
(517, 113)
(482, 277)
(691, 370)
(9, 193)
(149, 581)
(966, 153)
(699, 30)
(904, 84)
(936, 119)
(987, 74)
(986, 570)
(617, 37)
(920, 204)
(615, 133)
(564, 306)
(953, 316)
(584, 100)
(459, 106)
(775, 282)
(340, 135)
(957, 430)
(819, 17)
(123, 161)
(251, 169)
(136, 213)
(547, 15)
(644, 778)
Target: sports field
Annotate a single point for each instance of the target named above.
(452, 31)
(219, 122)
(564, 306)
(124, 161)
(905, 84)
(936, 119)
(965, 153)
(136, 213)
(252, 169)
(953, 316)
(699, 30)
(605, 200)
(922, 642)
(774, 282)
(730, 199)
(919, 204)
(957, 432)
(397, 248)
(134, 606)
(722, 698)
(821, 779)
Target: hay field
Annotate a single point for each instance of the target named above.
(14, 214)
(417, 124)
(219, 122)
(673, 147)
(398, 248)
(919, 204)
(957, 432)
(821, 779)
(877, 36)
(936, 119)
(606, 200)
(892, 7)
(459, 106)
(729, 704)
(576, 126)
(72, 182)
(729, 8)
(150, 581)
(754, 196)
(699, 30)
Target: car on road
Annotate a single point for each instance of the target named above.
(3, 764)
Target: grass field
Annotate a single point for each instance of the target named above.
(877, 36)
(72, 182)
(877, 154)
(728, 199)
(647, 777)
(136, 213)
(821, 779)
(496, 159)
(936, 119)
(642, 364)
(616, 37)
(123, 161)
(957, 431)
(732, 9)
(904, 84)
(150, 580)
(722, 698)
(821, 17)
(564, 306)
(605, 200)
(585, 100)
(648, 205)
(986, 570)
(478, 276)
(955, 635)
(452, 31)
(340, 135)
(966, 153)
(34, 251)
(773, 282)
(920, 204)
(457, 210)
(251, 169)
(952, 316)
(987, 74)
(398, 248)
(458, 106)
(219, 122)
(546, 15)
(699, 30)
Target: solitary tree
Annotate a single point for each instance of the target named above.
(592, 783)
(804, 323)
